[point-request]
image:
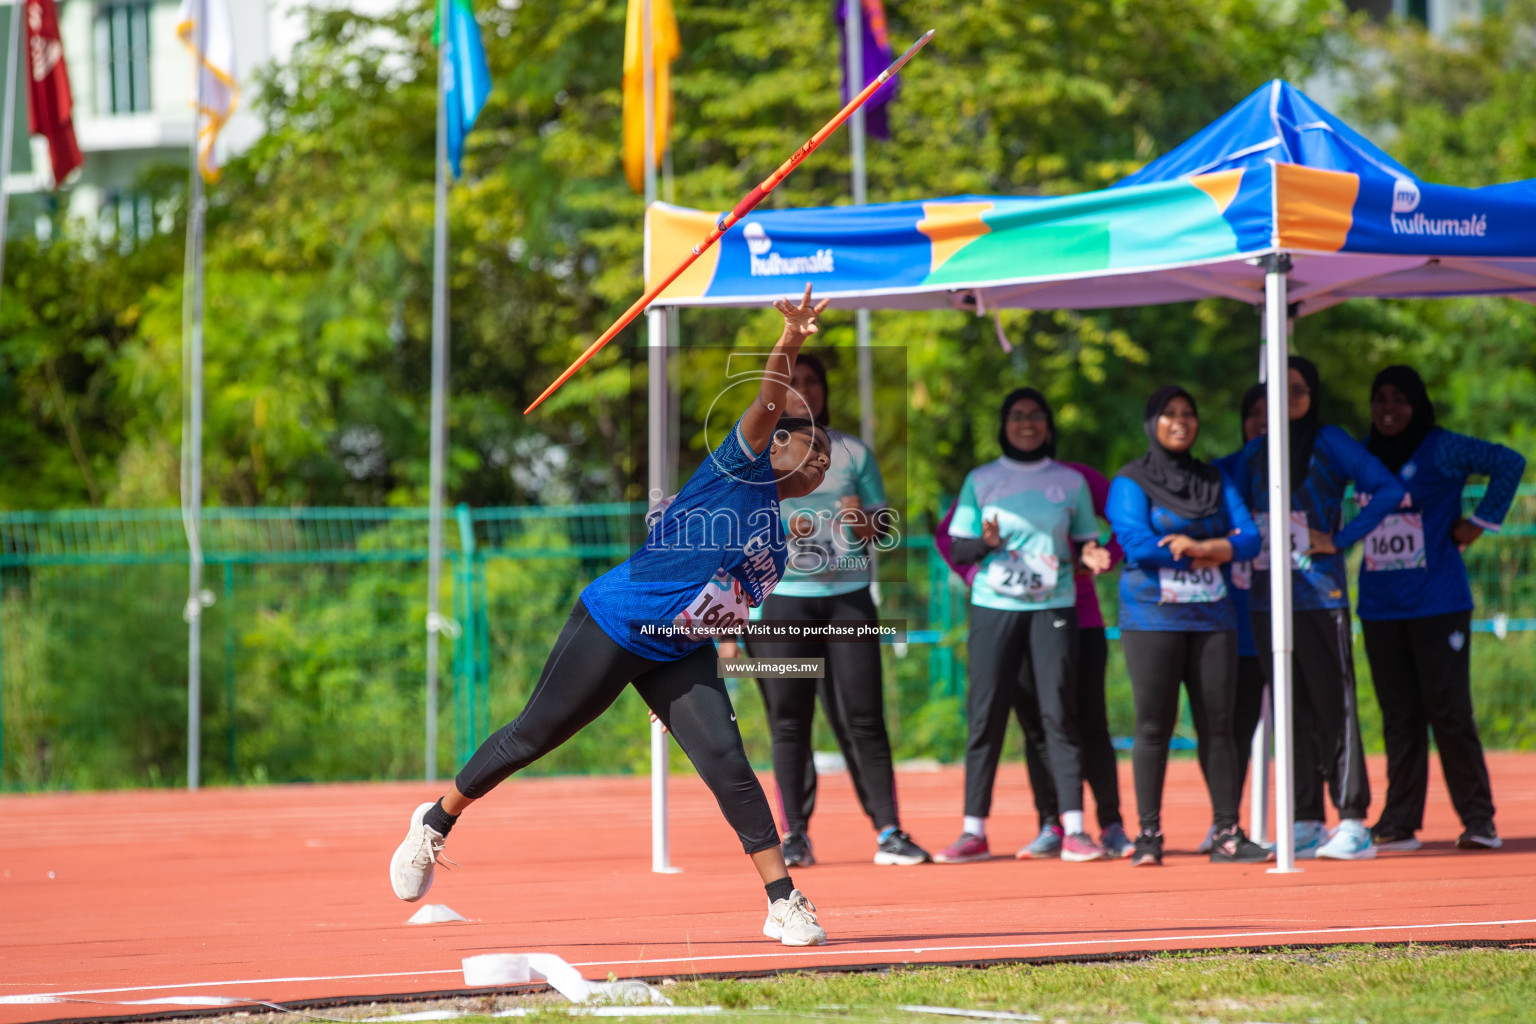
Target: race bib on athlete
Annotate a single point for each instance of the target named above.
(1190, 586)
(1397, 543)
(1025, 577)
(1300, 540)
(719, 609)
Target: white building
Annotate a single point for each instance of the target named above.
(131, 77)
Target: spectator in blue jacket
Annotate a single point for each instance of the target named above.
(1180, 521)
(1324, 460)
(1252, 683)
(1416, 607)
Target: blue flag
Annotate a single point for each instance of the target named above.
(877, 57)
(467, 81)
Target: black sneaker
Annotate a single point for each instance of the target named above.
(1149, 850)
(1479, 837)
(1233, 847)
(797, 850)
(1390, 837)
(898, 848)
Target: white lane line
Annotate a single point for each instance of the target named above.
(211, 984)
(818, 951)
(824, 951)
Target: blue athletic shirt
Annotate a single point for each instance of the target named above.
(1159, 592)
(1412, 568)
(1041, 508)
(1239, 575)
(1317, 581)
(716, 551)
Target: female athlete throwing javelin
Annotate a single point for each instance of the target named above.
(716, 550)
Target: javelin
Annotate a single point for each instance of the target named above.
(724, 224)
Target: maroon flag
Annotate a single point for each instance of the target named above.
(50, 111)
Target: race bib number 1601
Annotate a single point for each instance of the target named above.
(1397, 543)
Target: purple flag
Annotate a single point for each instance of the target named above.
(877, 57)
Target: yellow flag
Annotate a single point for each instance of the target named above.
(665, 49)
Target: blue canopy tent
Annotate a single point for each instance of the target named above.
(1278, 203)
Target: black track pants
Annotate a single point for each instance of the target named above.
(852, 697)
(1252, 684)
(1206, 664)
(584, 675)
(1326, 739)
(999, 645)
(1422, 671)
(1099, 768)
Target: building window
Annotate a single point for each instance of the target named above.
(122, 58)
(127, 218)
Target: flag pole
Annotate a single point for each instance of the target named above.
(439, 425)
(853, 27)
(192, 424)
(656, 429)
(745, 206)
(13, 64)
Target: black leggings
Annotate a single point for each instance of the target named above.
(1206, 663)
(1326, 738)
(584, 675)
(999, 644)
(1099, 767)
(1422, 670)
(1252, 684)
(852, 697)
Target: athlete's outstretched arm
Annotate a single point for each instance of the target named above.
(762, 416)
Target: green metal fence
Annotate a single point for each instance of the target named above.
(314, 641)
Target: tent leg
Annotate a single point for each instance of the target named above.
(1277, 382)
(657, 418)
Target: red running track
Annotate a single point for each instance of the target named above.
(282, 893)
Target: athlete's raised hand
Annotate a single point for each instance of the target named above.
(801, 319)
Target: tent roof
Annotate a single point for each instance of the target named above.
(1277, 173)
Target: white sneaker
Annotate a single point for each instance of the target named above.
(1309, 836)
(793, 922)
(411, 868)
(1351, 840)
(1208, 842)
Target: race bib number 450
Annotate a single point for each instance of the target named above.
(1190, 586)
(1397, 543)
(718, 609)
(1025, 577)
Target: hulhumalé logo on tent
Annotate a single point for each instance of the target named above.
(1405, 200)
(767, 263)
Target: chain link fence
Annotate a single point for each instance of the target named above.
(313, 639)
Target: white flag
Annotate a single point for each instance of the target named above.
(216, 65)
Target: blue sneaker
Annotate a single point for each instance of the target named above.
(1115, 842)
(1309, 838)
(1046, 844)
(1351, 840)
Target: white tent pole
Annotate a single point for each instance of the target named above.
(656, 431)
(1277, 380)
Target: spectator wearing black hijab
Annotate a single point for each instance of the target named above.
(1180, 520)
(1324, 460)
(1416, 607)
